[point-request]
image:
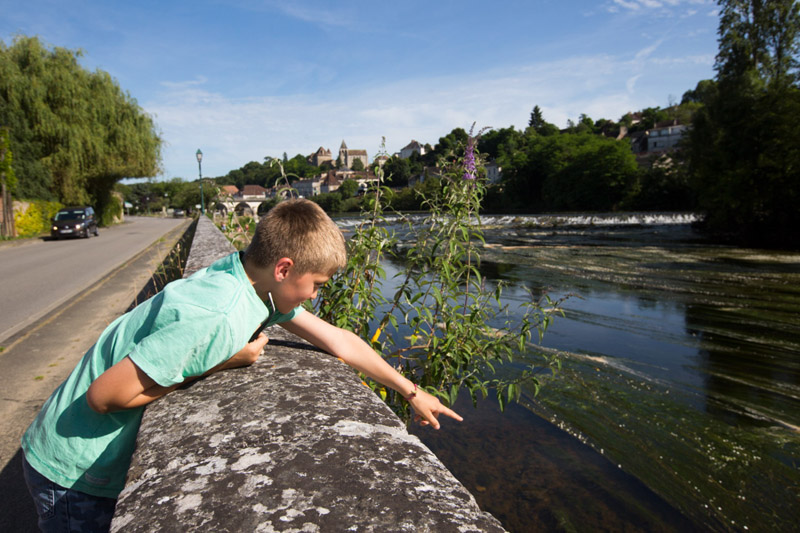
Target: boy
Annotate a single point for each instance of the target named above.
(78, 449)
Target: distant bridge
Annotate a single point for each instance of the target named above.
(242, 207)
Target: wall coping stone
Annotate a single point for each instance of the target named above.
(294, 442)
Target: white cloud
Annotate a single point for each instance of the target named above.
(637, 5)
(702, 59)
(627, 5)
(233, 131)
(631, 83)
(341, 17)
(652, 3)
(199, 80)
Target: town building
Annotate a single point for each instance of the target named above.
(347, 157)
(330, 182)
(308, 187)
(252, 192)
(410, 148)
(494, 173)
(665, 136)
(322, 155)
(229, 190)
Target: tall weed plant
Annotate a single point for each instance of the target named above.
(444, 329)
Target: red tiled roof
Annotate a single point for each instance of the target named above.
(253, 190)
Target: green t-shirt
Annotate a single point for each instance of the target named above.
(191, 326)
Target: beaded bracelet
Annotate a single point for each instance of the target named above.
(413, 394)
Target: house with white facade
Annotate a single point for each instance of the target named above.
(308, 187)
(410, 148)
(494, 173)
(665, 137)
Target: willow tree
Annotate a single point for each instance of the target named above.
(74, 133)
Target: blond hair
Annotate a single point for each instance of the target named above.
(303, 232)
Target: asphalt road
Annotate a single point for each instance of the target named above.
(39, 356)
(40, 275)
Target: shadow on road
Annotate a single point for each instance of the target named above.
(19, 515)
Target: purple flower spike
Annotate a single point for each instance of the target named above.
(469, 159)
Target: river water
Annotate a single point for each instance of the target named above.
(678, 405)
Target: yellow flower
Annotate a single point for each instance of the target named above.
(377, 335)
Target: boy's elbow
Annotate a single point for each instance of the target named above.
(95, 402)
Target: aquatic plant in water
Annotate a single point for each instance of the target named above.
(443, 329)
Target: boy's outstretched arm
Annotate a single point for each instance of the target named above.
(358, 354)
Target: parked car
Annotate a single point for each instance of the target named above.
(178, 213)
(74, 222)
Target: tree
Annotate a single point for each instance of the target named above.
(397, 172)
(331, 202)
(758, 39)
(493, 142)
(539, 124)
(299, 166)
(661, 185)
(701, 93)
(74, 133)
(586, 172)
(8, 182)
(453, 142)
(537, 120)
(357, 165)
(348, 188)
(744, 147)
(568, 171)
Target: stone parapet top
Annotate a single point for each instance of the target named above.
(294, 442)
(208, 245)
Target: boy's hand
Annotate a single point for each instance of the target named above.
(249, 354)
(427, 409)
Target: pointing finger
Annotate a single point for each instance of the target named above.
(452, 414)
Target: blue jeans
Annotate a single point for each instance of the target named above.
(66, 510)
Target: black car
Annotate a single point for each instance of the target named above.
(74, 222)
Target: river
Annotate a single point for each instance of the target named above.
(678, 405)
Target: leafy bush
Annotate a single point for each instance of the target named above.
(351, 205)
(331, 202)
(444, 329)
(34, 219)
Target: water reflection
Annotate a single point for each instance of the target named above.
(535, 477)
(748, 379)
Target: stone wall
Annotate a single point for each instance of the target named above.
(293, 443)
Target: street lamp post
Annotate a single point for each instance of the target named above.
(200, 170)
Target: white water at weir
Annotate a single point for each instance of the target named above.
(545, 220)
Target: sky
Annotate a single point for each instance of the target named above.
(246, 79)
